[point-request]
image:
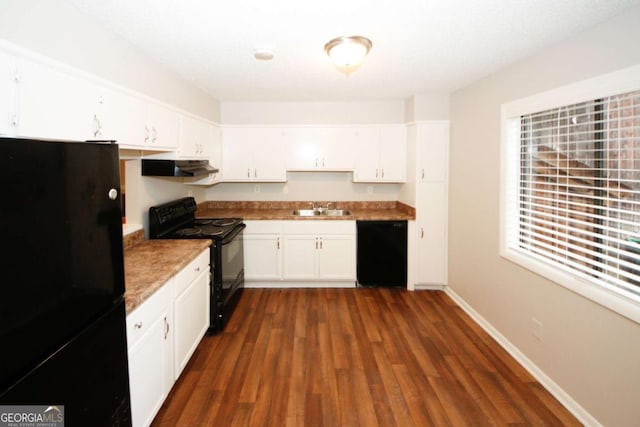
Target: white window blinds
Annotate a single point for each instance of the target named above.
(579, 191)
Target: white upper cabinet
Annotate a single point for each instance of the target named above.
(324, 148)
(196, 138)
(8, 101)
(253, 154)
(381, 154)
(432, 151)
(54, 104)
(162, 127)
(118, 117)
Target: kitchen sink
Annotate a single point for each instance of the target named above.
(306, 212)
(321, 212)
(336, 212)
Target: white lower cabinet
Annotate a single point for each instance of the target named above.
(432, 234)
(191, 315)
(150, 339)
(162, 334)
(263, 250)
(306, 252)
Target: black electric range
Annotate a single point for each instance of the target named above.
(176, 220)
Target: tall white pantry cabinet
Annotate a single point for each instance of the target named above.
(431, 141)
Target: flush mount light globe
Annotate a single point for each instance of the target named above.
(347, 53)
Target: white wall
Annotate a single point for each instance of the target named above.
(427, 106)
(589, 351)
(56, 29)
(310, 113)
(310, 186)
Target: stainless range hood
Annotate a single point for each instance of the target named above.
(183, 168)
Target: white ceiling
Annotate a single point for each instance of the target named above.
(419, 46)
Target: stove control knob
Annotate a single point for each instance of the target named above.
(113, 194)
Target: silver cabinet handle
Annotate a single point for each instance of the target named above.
(97, 127)
(316, 162)
(146, 133)
(138, 325)
(248, 173)
(321, 243)
(255, 172)
(166, 328)
(14, 119)
(316, 243)
(154, 134)
(382, 174)
(422, 174)
(197, 269)
(376, 173)
(278, 243)
(421, 232)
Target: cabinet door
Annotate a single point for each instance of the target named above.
(337, 149)
(432, 229)
(8, 87)
(53, 104)
(190, 135)
(303, 146)
(262, 256)
(299, 256)
(432, 151)
(162, 130)
(191, 314)
(337, 257)
(119, 117)
(151, 370)
(206, 135)
(237, 163)
(253, 154)
(367, 163)
(393, 153)
(267, 150)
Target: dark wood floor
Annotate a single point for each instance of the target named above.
(355, 357)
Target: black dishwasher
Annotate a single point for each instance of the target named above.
(382, 253)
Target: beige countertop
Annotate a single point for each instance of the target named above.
(149, 264)
(283, 210)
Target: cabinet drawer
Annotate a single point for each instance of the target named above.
(263, 227)
(191, 271)
(140, 319)
(320, 227)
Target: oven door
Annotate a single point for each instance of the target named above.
(231, 268)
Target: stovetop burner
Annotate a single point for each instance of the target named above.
(200, 231)
(221, 222)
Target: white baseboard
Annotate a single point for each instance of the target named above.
(425, 287)
(563, 397)
(287, 285)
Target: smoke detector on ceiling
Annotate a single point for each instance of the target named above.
(263, 54)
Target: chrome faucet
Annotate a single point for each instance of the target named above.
(313, 205)
(329, 205)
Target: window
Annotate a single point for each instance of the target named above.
(571, 193)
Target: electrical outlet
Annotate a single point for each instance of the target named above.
(536, 329)
(285, 189)
(369, 189)
(190, 193)
(256, 189)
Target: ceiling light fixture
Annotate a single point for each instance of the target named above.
(347, 53)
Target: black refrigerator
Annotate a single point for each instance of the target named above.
(62, 315)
